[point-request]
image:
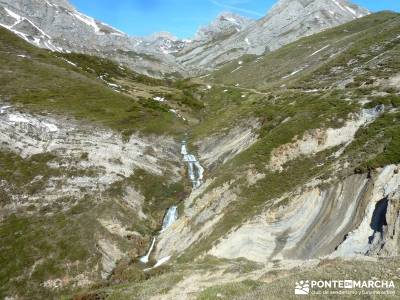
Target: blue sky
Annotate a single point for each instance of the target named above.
(183, 17)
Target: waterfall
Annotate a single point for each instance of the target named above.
(145, 259)
(195, 170)
(170, 217)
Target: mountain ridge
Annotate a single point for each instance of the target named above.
(58, 26)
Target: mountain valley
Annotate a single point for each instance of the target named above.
(231, 166)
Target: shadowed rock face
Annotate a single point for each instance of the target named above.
(379, 216)
(58, 26)
(385, 224)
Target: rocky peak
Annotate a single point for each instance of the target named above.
(298, 9)
(290, 19)
(225, 24)
(162, 35)
(287, 21)
(58, 26)
(161, 42)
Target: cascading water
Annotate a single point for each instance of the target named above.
(145, 259)
(170, 217)
(196, 172)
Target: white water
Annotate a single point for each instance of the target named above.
(196, 171)
(145, 259)
(170, 217)
(160, 262)
(4, 108)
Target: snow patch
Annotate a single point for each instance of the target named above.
(293, 73)
(232, 20)
(318, 51)
(238, 68)
(50, 127)
(87, 20)
(339, 5)
(351, 10)
(14, 15)
(175, 112)
(18, 118)
(70, 62)
(162, 261)
(159, 99)
(49, 4)
(33, 40)
(113, 85)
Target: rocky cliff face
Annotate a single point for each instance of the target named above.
(225, 25)
(86, 165)
(58, 26)
(346, 216)
(99, 159)
(323, 217)
(286, 22)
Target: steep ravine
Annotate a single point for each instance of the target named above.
(195, 175)
(324, 218)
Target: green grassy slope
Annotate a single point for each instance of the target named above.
(367, 52)
(336, 46)
(354, 72)
(59, 240)
(42, 81)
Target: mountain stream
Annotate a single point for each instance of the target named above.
(195, 172)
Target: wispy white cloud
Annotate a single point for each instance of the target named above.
(233, 5)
